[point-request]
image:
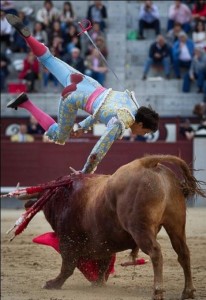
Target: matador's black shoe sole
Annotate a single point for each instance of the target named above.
(17, 23)
(19, 100)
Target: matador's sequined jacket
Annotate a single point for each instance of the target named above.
(115, 109)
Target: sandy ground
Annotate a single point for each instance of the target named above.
(26, 266)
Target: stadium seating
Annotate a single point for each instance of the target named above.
(126, 58)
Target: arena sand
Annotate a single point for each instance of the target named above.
(26, 266)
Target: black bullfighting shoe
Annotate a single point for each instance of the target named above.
(19, 100)
(18, 25)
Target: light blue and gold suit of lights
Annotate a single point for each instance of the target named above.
(115, 109)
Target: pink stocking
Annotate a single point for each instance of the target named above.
(37, 48)
(43, 119)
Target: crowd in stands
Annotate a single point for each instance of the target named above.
(183, 45)
(187, 131)
(180, 50)
(22, 136)
(59, 30)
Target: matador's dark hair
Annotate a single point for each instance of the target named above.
(148, 117)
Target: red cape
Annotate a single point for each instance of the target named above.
(88, 267)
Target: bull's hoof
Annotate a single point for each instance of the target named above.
(188, 294)
(98, 283)
(52, 284)
(158, 294)
(158, 297)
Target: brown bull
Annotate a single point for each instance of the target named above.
(104, 214)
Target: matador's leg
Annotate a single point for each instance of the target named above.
(66, 117)
(58, 68)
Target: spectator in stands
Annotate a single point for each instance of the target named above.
(199, 11)
(75, 60)
(30, 71)
(95, 33)
(18, 43)
(55, 31)
(159, 54)
(197, 71)
(182, 53)
(148, 18)
(96, 67)
(6, 30)
(200, 110)
(67, 16)
(101, 44)
(4, 72)
(71, 32)
(8, 7)
(199, 35)
(74, 43)
(97, 13)
(22, 136)
(34, 127)
(186, 130)
(202, 124)
(47, 76)
(172, 34)
(39, 33)
(57, 46)
(47, 14)
(179, 13)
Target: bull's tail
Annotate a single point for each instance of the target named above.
(190, 186)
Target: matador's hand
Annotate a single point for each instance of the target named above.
(76, 133)
(75, 172)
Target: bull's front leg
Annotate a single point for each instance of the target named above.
(69, 263)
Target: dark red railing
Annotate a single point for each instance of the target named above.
(38, 162)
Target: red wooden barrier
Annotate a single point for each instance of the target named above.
(33, 163)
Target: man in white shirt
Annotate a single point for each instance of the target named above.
(182, 52)
(47, 14)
